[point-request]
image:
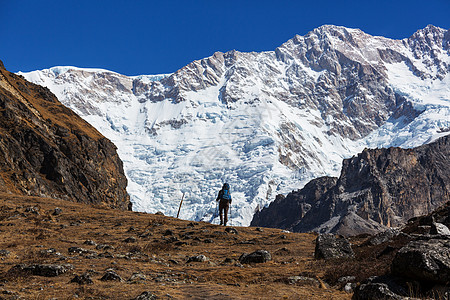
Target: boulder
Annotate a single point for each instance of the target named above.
(46, 270)
(424, 260)
(439, 228)
(84, 278)
(198, 258)
(111, 275)
(381, 287)
(383, 237)
(259, 256)
(329, 246)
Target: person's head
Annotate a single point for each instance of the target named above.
(226, 186)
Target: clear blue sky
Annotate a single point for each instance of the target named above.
(148, 37)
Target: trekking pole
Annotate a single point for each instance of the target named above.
(217, 210)
(179, 208)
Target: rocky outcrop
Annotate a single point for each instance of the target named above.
(330, 246)
(48, 150)
(378, 188)
(284, 212)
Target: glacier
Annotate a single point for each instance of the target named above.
(267, 122)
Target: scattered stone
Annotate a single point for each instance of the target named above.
(46, 270)
(424, 261)
(379, 288)
(198, 258)
(57, 211)
(439, 228)
(259, 256)
(346, 279)
(303, 280)
(111, 275)
(259, 229)
(159, 213)
(168, 232)
(131, 229)
(329, 246)
(104, 247)
(4, 252)
(32, 209)
(90, 242)
(349, 287)
(231, 230)
(384, 236)
(228, 261)
(51, 251)
(78, 250)
(130, 239)
(84, 278)
(283, 237)
(285, 231)
(208, 241)
(137, 277)
(146, 296)
(172, 261)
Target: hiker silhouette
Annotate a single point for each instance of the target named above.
(224, 199)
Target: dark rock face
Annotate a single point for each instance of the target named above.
(259, 256)
(425, 261)
(329, 246)
(47, 150)
(286, 212)
(378, 188)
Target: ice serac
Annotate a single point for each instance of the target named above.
(378, 188)
(47, 150)
(265, 122)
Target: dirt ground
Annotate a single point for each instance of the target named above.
(150, 253)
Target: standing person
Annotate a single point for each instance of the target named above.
(224, 199)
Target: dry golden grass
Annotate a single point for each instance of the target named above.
(26, 235)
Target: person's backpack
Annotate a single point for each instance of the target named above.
(226, 195)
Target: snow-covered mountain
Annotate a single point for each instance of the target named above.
(265, 122)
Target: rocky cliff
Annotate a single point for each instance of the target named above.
(48, 150)
(376, 189)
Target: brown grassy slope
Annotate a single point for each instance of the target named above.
(161, 258)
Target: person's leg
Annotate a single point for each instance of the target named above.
(221, 213)
(225, 212)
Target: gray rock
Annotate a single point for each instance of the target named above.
(231, 230)
(303, 280)
(104, 247)
(349, 287)
(198, 258)
(84, 278)
(111, 275)
(259, 256)
(46, 270)
(4, 252)
(384, 236)
(375, 291)
(424, 260)
(329, 246)
(57, 211)
(146, 296)
(90, 242)
(439, 228)
(137, 277)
